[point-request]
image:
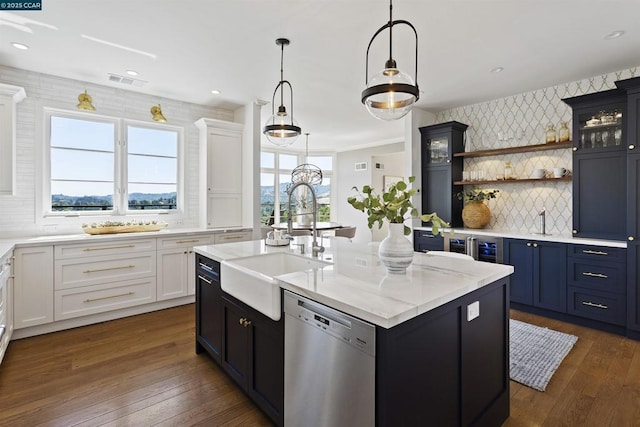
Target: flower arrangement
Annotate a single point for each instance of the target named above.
(477, 195)
(393, 205)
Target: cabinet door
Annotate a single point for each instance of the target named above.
(424, 241)
(633, 201)
(33, 286)
(209, 313)
(235, 347)
(173, 270)
(550, 276)
(599, 190)
(224, 210)
(436, 150)
(518, 254)
(224, 151)
(436, 192)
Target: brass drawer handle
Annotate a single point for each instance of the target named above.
(109, 268)
(590, 252)
(244, 322)
(109, 297)
(205, 279)
(590, 304)
(232, 237)
(598, 275)
(109, 247)
(187, 241)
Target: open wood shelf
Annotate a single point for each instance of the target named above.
(511, 181)
(512, 150)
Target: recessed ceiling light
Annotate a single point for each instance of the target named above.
(20, 46)
(132, 72)
(497, 69)
(614, 35)
(216, 92)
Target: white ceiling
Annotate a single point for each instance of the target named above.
(200, 45)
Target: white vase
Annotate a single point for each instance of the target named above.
(396, 251)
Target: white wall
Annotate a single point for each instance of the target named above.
(18, 213)
(393, 165)
(347, 178)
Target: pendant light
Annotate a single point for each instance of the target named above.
(281, 129)
(156, 114)
(85, 102)
(306, 172)
(390, 94)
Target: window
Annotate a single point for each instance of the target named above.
(275, 179)
(90, 171)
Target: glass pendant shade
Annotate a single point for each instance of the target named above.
(390, 94)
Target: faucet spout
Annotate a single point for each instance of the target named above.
(542, 215)
(315, 248)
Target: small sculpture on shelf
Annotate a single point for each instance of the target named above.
(550, 134)
(563, 132)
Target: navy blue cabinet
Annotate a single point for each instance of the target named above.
(440, 169)
(425, 241)
(540, 276)
(599, 164)
(208, 307)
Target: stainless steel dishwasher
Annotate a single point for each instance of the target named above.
(329, 366)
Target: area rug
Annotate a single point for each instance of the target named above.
(536, 353)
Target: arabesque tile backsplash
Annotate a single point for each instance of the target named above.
(522, 120)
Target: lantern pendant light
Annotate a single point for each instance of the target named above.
(307, 172)
(390, 94)
(281, 129)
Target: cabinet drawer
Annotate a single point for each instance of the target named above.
(602, 306)
(104, 248)
(70, 303)
(234, 236)
(424, 241)
(208, 268)
(601, 276)
(74, 273)
(598, 253)
(184, 241)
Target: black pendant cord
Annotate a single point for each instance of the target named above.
(390, 31)
(282, 74)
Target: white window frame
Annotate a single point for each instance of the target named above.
(120, 199)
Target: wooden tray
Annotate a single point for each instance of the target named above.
(124, 229)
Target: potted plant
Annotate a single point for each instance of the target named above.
(394, 206)
(476, 213)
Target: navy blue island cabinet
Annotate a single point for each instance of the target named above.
(440, 368)
(540, 273)
(440, 169)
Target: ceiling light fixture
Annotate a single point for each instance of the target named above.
(216, 92)
(281, 129)
(132, 72)
(306, 172)
(156, 113)
(390, 94)
(497, 70)
(19, 46)
(85, 102)
(614, 35)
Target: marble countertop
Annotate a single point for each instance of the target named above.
(357, 283)
(560, 238)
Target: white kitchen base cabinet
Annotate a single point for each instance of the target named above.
(33, 286)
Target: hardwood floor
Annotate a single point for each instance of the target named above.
(143, 371)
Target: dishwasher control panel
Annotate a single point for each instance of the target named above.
(346, 328)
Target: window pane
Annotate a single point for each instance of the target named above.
(152, 196)
(323, 162)
(285, 181)
(267, 198)
(152, 168)
(160, 142)
(149, 169)
(82, 164)
(267, 160)
(85, 134)
(288, 161)
(81, 196)
(323, 194)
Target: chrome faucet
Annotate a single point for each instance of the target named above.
(542, 215)
(315, 248)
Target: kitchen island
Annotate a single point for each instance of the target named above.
(441, 342)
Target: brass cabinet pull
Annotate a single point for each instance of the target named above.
(590, 304)
(242, 320)
(529, 244)
(630, 238)
(232, 237)
(574, 231)
(535, 245)
(245, 322)
(110, 296)
(187, 241)
(589, 251)
(109, 268)
(631, 147)
(575, 148)
(109, 247)
(204, 279)
(598, 275)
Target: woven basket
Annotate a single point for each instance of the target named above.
(476, 214)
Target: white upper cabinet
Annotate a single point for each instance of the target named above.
(220, 173)
(9, 96)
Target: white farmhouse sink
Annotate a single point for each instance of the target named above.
(252, 279)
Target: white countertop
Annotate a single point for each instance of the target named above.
(357, 283)
(560, 238)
